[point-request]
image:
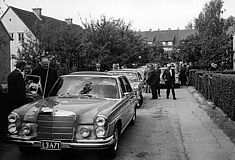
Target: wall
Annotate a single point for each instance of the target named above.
(14, 25)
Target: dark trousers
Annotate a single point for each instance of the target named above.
(158, 89)
(170, 86)
(147, 88)
(154, 91)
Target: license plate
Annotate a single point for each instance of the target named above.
(51, 145)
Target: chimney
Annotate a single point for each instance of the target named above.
(169, 28)
(150, 30)
(38, 12)
(69, 21)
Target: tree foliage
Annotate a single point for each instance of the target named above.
(105, 41)
(209, 21)
(211, 44)
(111, 41)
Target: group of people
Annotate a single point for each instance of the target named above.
(152, 78)
(16, 83)
(184, 73)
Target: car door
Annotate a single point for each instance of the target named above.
(130, 100)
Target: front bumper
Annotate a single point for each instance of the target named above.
(78, 144)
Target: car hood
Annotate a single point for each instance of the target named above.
(84, 109)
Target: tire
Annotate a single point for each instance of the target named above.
(141, 100)
(112, 151)
(132, 122)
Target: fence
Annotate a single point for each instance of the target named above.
(218, 87)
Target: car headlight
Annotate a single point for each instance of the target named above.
(100, 132)
(12, 128)
(13, 117)
(100, 121)
(25, 130)
(85, 132)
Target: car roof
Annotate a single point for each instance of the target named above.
(90, 73)
(123, 70)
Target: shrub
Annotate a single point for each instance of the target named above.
(223, 93)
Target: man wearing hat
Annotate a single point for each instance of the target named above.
(169, 77)
(16, 86)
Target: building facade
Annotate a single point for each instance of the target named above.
(168, 38)
(21, 23)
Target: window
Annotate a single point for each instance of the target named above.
(127, 84)
(163, 43)
(12, 36)
(122, 86)
(21, 36)
(170, 43)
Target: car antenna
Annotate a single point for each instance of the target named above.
(45, 84)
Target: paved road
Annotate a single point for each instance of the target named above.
(165, 130)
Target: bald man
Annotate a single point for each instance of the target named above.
(42, 72)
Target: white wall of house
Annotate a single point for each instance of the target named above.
(15, 26)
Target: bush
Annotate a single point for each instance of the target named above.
(223, 93)
(218, 86)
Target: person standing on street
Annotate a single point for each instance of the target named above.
(48, 75)
(169, 77)
(152, 81)
(182, 75)
(146, 73)
(16, 86)
(158, 80)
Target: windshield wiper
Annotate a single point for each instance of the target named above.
(88, 95)
(67, 95)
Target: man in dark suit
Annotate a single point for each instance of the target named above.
(48, 75)
(153, 80)
(169, 78)
(16, 86)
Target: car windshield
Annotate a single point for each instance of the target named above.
(86, 87)
(131, 76)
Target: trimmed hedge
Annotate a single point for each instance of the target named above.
(217, 86)
(223, 93)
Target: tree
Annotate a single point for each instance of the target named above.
(111, 41)
(211, 44)
(189, 25)
(209, 22)
(60, 45)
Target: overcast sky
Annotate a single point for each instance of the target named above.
(143, 14)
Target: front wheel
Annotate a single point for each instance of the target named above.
(132, 122)
(141, 100)
(112, 151)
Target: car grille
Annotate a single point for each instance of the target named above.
(55, 127)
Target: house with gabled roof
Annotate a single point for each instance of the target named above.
(19, 22)
(4, 54)
(168, 38)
